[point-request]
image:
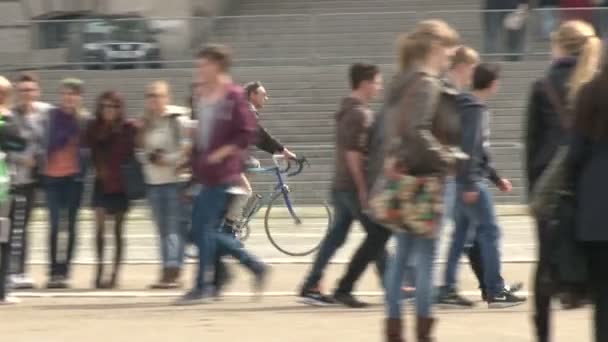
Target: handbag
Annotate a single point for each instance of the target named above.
(409, 204)
(133, 176)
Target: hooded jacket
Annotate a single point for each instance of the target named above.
(475, 142)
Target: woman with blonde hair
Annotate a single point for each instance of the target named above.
(413, 136)
(576, 53)
(161, 138)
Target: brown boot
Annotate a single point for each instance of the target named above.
(394, 330)
(424, 328)
(173, 274)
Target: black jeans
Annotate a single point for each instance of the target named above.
(63, 195)
(543, 287)
(474, 255)
(20, 213)
(597, 254)
(346, 211)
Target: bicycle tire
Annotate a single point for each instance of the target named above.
(277, 198)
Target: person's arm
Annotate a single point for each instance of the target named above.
(266, 142)
(471, 121)
(533, 134)
(354, 136)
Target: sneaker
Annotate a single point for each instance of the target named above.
(451, 298)
(349, 300)
(314, 297)
(8, 300)
(21, 282)
(505, 299)
(512, 288)
(194, 297)
(260, 281)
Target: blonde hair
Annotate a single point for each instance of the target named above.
(416, 45)
(6, 86)
(465, 55)
(578, 39)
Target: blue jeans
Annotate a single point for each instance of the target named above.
(208, 213)
(63, 196)
(423, 251)
(166, 210)
(480, 219)
(346, 211)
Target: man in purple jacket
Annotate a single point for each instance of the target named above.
(226, 127)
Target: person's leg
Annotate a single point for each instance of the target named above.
(209, 208)
(156, 200)
(119, 219)
(372, 248)
(394, 277)
(30, 201)
(100, 220)
(424, 249)
(462, 224)
(516, 40)
(174, 237)
(76, 188)
(543, 288)
(474, 255)
(53, 190)
(343, 219)
(238, 202)
(493, 31)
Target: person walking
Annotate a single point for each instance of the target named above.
(419, 145)
(160, 140)
(576, 52)
(505, 27)
(226, 127)
(354, 119)
(111, 139)
(65, 156)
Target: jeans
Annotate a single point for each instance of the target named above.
(20, 218)
(63, 195)
(210, 206)
(496, 33)
(166, 210)
(346, 211)
(423, 250)
(480, 217)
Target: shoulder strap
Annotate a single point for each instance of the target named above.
(556, 102)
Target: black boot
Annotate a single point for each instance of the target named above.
(424, 329)
(393, 330)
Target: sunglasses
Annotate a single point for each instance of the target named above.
(154, 95)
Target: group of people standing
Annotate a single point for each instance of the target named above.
(190, 159)
(435, 120)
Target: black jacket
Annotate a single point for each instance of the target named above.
(263, 140)
(544, 132)
(475, 134)
(587, 165)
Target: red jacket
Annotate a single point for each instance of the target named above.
(110, 149)
(235, 125)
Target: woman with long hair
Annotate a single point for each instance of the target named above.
(420, 123)
(111, 139)
(161, 138)
(576, 53)
(587, 167)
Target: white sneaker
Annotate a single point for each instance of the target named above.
(8, 300)
(21, 282)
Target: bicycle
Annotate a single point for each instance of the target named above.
(316, 213)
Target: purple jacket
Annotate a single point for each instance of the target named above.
(235, 125)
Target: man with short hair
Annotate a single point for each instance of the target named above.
(350, 192)
(226, 127)
(474, 204)
(27, 116)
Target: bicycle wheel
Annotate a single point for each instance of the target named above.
(296, 232)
